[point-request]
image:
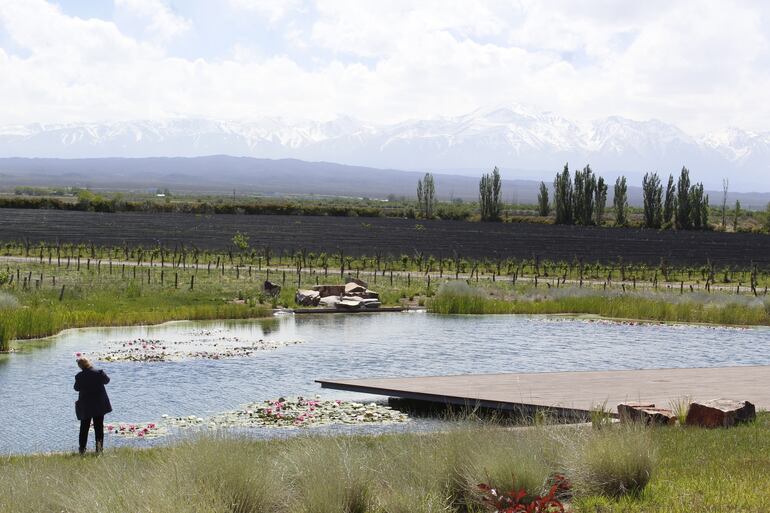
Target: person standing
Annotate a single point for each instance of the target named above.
(93, 402)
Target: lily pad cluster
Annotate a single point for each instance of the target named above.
(296, 412)
(301, 412)
(204, 346)
(146, 430)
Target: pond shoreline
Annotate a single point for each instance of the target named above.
(565, 316)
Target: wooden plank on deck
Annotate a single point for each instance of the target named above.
(570, 391)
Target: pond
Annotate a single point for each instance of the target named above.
(37, 398)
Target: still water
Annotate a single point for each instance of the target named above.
(36, 395)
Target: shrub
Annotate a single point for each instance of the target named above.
(613, 462)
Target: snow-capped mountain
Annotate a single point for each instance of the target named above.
(522, 142)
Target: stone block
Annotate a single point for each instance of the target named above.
(720, 413)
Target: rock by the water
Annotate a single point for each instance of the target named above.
(646, 413)
(720, 413)
(307, 297)
(354, 289)
(271, 289)
(330, 301)
(330, 290)
(362, 283)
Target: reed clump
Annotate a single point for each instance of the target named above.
(460, 298)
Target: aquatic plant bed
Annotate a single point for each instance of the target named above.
(207, 344)
(296, 412)
(389, 236)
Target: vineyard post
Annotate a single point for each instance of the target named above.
(162, 271)
(283, 280)
(53, 281)
(134, 271)
(61, 294)
(176, 279)
(148, 276)
(192, 281)
(123, 271)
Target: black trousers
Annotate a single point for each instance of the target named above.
(85, 426)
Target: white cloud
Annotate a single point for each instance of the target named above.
(273, 10)
(162, 23)
(702, 65)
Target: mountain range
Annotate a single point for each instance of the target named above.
(525, 144)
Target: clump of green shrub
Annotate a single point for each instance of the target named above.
(613, 461)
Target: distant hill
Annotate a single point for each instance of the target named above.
(524, 143)
(221, 174)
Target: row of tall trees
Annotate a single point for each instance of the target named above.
(490, 196)
(581, 200)
(426, 195)
(684, 205)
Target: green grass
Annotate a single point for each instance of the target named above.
(614, 469)
(412, 473)
(701, 470)
(91, 298)
(654, 307)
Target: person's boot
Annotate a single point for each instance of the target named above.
(99, 446)
(82, 450)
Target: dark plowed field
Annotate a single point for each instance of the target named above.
(388, 236)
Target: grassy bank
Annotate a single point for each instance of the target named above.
(692, 308)
(688, 469)
(90, 298)
(391, 473)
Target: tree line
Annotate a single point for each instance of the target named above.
(581, 198)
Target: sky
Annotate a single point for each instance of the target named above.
(702, 65)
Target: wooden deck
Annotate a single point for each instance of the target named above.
(573, 393)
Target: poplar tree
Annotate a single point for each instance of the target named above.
(652, 192)
(600, 200)
(620, 201)
(490, 196)
(543, 207)
(426, 195)
(683, 209)
(669, 205)
(562, 196)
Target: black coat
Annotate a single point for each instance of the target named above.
(93, 399)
